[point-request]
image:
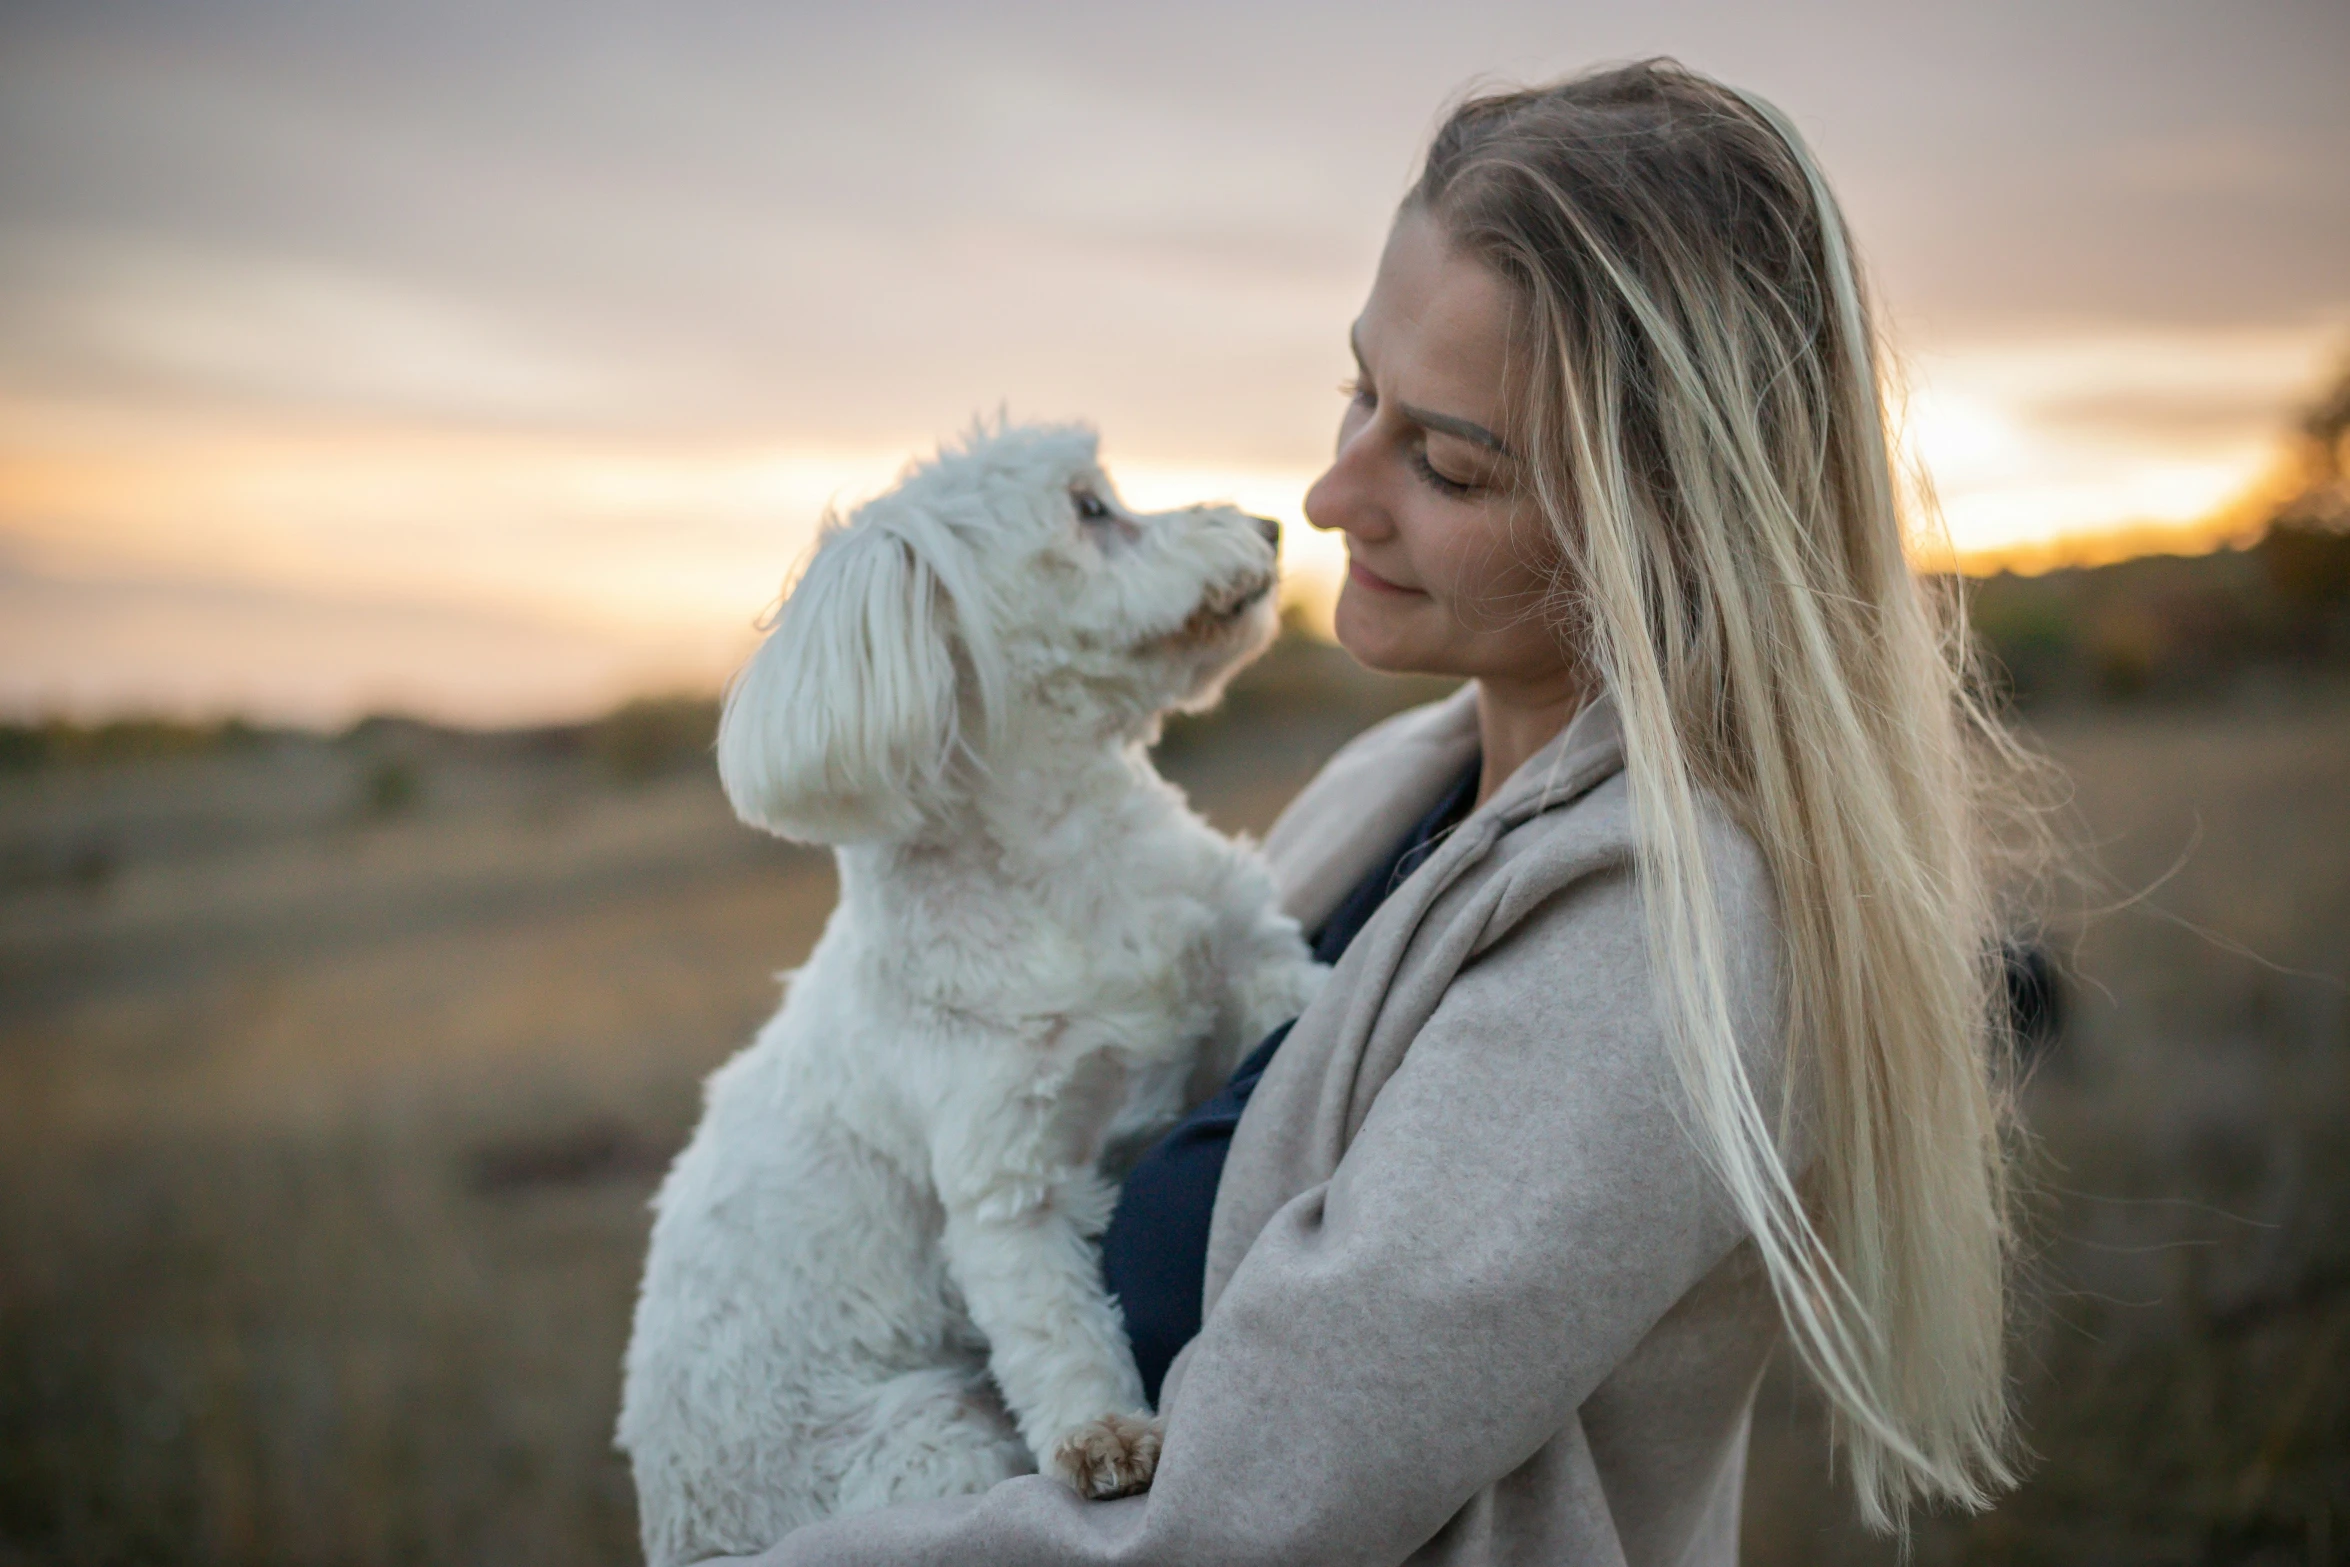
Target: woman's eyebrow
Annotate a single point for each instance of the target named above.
(1467, 429)
(1446, 423)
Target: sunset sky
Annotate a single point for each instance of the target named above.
(495, 361)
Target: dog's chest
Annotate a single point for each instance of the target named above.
(1137, 975)
(1136, 931)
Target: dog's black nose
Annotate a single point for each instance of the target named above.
(1271, 530)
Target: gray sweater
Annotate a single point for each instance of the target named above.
(1472, 1296)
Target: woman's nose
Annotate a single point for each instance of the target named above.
(1317, 503)
(1341, 499)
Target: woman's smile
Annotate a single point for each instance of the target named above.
(1376, 583)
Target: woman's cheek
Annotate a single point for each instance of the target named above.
(1480, 567)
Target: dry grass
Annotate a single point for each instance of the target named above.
(326, 1129)
(320, 1245)
(2185, 1374)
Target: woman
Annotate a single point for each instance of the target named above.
(1660, 1025)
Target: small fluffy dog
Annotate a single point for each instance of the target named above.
(873, 1276)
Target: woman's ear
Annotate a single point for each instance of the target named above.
(838, 729)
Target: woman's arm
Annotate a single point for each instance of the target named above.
(1519, 1209)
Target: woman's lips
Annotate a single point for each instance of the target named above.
(1376, 583)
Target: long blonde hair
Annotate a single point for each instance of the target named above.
(1701, 416)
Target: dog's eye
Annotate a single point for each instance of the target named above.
(1089, 505)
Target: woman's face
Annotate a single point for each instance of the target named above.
(1446, 560)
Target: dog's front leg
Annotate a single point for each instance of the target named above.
(1024, 1207)
(1271, 975)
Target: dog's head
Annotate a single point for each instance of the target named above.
(999, 595)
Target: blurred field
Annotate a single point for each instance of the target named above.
(334, 1076)
(2185, 1365)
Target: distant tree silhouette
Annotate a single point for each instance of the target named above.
(2308, 544)
(2327, 425)
(2171, 626)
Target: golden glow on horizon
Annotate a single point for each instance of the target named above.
(2111, 437)
(666, 550)
(663, 555)
(588, 532)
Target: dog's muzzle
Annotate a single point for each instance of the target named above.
(1223, 606)
(1237, 599)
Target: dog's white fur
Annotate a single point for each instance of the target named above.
(873, 1276)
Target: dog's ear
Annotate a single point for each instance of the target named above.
(841, 725)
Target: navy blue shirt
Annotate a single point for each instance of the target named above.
(1155, 1252)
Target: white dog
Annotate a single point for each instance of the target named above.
(874, 1277)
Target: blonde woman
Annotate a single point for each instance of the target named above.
(1660, 1033)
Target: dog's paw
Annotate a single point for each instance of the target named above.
(1115, 1455)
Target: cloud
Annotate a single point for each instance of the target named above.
(164, 323)
(579, 314)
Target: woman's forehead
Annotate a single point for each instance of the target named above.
(1436, 328)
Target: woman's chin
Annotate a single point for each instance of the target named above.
(1372, 636)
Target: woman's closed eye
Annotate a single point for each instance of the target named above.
(1358, 391)
(1455, 488)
